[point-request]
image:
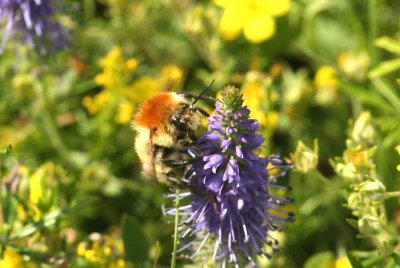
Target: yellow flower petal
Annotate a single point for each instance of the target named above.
(171, 73)
(12, 259)
(142, 89)
(124, 113)
(274, 7)
(131, 64)
(325, 77)
(343, 262)
(231, 24)
(259, 29)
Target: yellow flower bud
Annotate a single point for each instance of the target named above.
(369, 225)
(305, 159)
(363, 129)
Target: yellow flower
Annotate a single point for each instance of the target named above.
(142, 89)
(325, 77)
(112, 58)
(343, 262)
(7, 137)
(93, 104)
(131, 64)
(90, 255)
(107, 251)
(254, 17)
(354, 64)
(121, 263)
(124, 113)
(11, 259)
(326, 84)
(171, 74)
(115, 69)
(36, 185)
(81, 249)
(23, 85)
(271, 119)
(254, 95)
(273, 170)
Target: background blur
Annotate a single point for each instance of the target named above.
(321, 76)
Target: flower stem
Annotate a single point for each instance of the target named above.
(392, 194)
(373, 16)
(326, 182)
(175, 248)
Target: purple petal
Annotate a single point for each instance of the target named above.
(238, 151)
(213, 161)
(214, 182)
(225, 143)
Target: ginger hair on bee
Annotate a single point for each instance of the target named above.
(155, 110)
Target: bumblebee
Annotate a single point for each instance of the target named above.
(166, 126)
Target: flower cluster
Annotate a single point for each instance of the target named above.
(358, 169)
(33, 21)
(326, 85)
(232, 205)
(11, 259)
(254, 17)
(103, 250)
(120, 93)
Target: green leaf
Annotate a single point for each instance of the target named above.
(366, 96)
(385, 67)
(354, 262)
(389, 44)
(48, 220)
(396, 258)
(353, 222)
(6, 150)
(387, 91)
(135, 241)
(322, 259)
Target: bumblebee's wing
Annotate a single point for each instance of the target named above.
(144, 149)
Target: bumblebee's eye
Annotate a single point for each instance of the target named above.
(175, 120)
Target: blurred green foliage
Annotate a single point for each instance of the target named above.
(71, 189)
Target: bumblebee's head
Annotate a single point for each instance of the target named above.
(185, 118)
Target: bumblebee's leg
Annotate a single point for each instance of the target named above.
(177, 183)
(201, 110)
(176, 163)
(191, 135)
(185, 144)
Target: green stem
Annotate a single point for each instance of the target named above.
(325, 181)
(392, 194)
(44, 116)
(89, 9)
(173, 261)
(373, 10)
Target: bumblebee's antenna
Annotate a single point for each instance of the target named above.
(204, 91)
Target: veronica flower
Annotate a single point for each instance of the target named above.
(33, 21)
(236, 211)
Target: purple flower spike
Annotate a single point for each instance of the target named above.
(237, 212)
(33, 21)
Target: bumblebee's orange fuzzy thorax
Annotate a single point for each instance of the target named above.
(155, 110)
